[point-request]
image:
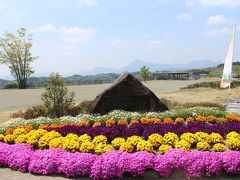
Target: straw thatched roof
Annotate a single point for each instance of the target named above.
(126, 93)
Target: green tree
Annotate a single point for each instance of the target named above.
(236, 70)
(56, 98)
(145, 73)
(16, 53)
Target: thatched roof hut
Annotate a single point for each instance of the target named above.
(129, 94)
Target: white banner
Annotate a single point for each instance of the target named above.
(227, 70)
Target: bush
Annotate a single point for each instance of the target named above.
(211, 84)
(57, 99)
(203, 104)
(40, 110)
(31, 113)
(79, 108)
(11, 86)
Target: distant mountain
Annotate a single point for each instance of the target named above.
(3, 82)
(137, 64)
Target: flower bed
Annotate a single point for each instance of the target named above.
(201, 142)
(156, 143)
(116, 163)
(208, 115)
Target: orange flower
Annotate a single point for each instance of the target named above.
(110, 122)
(42, 126)
(211, 118)
(189, 119)
(221, 119)
(9, 131)
(62, 124)
(28, 128)
(122, 121)
(156, 121)
(168, 120)
(179, 120)
(144, 120)
(201, 118)
(133, 121)
(84, 123)
(95, 124)
(53, 126)
(232, 117)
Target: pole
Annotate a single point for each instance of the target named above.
(229, 88)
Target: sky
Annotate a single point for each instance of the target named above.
(71, 36)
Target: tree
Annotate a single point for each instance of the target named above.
(144, 73)
(236, 70)
(16, 53)
(57, 99)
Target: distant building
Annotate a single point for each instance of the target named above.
(171, 76)
(178, 76)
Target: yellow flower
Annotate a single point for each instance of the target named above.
(183, 144)
(164, 148)
(99, 139)
(9, 139)
(233, 143)
(219, 147)
(21, 139)
(84, 137)
(71, 144)
(19, 131)
(202, 137)
(2, 137)
(216, 138)
(107, 148)
(144, 146)
(203, 146)
(35, 136)
(127, 146)
(72, 136)
(102, 148)
(117, 142)
(56, 142)
(134, 140)
(155, 139)
(29, 134)
(170, 138)
(189, 137)
(44, 140)
(233, 134)
(86, 146)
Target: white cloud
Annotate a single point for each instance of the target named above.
(229, 3)
(216, 20)
(44, 28)
(3, 6)
(70, 35)
(76, 34)
(115, 43)
(153, 44)
(188, 50)
(184, 16)
(217, 32)
(90, 2)
(190, 3)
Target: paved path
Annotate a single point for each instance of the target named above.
(8, 174)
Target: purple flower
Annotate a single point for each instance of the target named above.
(146, 130)
(115, 164)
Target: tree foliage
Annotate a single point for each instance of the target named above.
(57, 99)
(145, 73)
(16, 53)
